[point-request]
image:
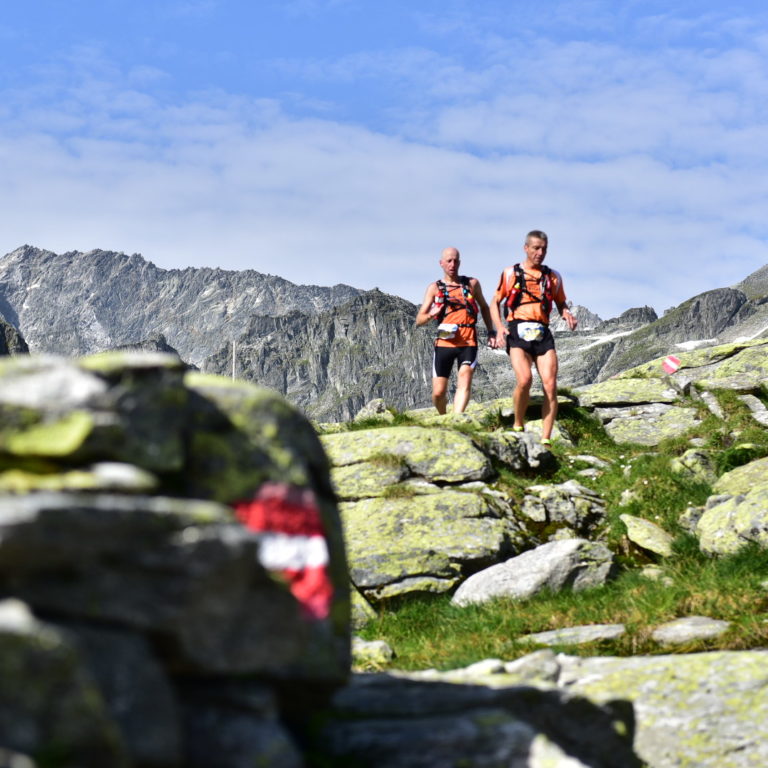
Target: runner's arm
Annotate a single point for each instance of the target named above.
(562, 306)
(477, 293)
(568, 316)
(498, 322)
(423, 316)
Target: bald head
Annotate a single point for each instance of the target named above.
(447, 252)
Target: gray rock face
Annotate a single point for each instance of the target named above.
(11, 341)
(631, 319)
(575, 563)
(755, 286)
(588, 320)
(385, 722)
(233, 570)
(703, 317)
(333, 362)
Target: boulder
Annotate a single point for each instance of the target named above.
(375, 409)
(170, 527)
(567, 564)
(704, 709)
(382, 721)
(737, 512)
(696, 463)
(48, 699)
(371, 654)
(648, 424)
(627, 391)
(438, 455)
(425, 543)
(700, 709)
(743, 478)
(742, 367)
(369, 479)
(565, 510)
(648, 535)
(517, 450)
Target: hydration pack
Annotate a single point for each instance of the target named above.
(517, 290)
(469, 303)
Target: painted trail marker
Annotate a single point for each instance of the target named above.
(670, 364)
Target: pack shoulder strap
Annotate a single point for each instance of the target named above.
(468, 303)
(519, 287)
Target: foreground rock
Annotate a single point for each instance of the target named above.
(704, 709)
(158, 529)
(381, 721)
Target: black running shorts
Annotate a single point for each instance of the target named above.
(445, 357)
(533, 348)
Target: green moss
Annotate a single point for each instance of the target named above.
(60, 438)
(114, 362)
(219, 470)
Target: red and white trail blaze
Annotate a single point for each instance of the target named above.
(292, 542)
(670, 364)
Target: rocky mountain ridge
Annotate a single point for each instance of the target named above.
(78, 303)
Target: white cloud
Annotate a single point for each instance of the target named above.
(646, 171)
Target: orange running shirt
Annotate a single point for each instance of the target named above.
(457, 312)
(530, 310)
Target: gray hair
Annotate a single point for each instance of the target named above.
(536, 233)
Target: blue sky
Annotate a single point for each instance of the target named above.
(332, 141)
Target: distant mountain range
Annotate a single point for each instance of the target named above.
(329, 350)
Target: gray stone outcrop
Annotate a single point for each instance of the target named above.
(172, 561)
(573, 563)
(565, 510)
(702, 709)
(420, 508)
(689, 628)
(383, 721)
(737, 512)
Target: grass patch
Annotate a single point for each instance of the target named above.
(395, 419)
(387, 460)
(430, 632)
(398, 491)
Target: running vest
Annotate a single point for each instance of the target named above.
(459, 309)
(468, 304)
(517, 289)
